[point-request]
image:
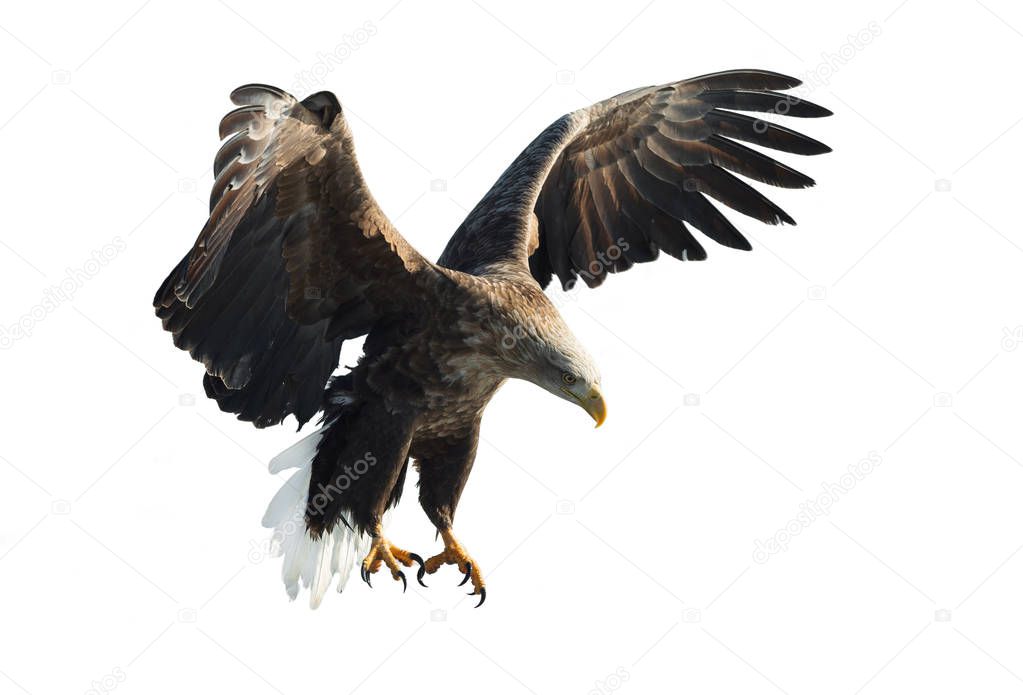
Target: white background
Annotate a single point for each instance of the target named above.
(883, 326)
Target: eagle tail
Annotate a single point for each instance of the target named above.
(311, 561)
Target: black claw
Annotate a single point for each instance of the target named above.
(422, 569)
(483, 596)
(404, 582)
(468, 573)
(365, 576)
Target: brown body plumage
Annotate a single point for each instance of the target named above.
(297, 257)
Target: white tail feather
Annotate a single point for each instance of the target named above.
(311, 562)
(296, 455)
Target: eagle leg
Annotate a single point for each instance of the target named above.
(454, 554)
(383, 552)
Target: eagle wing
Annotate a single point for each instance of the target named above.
(613, 184)
(296, 257)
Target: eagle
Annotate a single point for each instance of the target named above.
(297, 257)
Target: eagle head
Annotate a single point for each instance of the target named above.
(550, 356)
(575, 378)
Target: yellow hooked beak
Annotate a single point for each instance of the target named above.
(592, 403)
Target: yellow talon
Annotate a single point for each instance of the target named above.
(454, 554)
(383, 552)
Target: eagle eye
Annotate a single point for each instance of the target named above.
(568, 378)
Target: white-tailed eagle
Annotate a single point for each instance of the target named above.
(297, 257)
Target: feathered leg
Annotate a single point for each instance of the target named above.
(444, 465)
(331, 512)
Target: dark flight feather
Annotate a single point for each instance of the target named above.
(258, 299)
(639, 167)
